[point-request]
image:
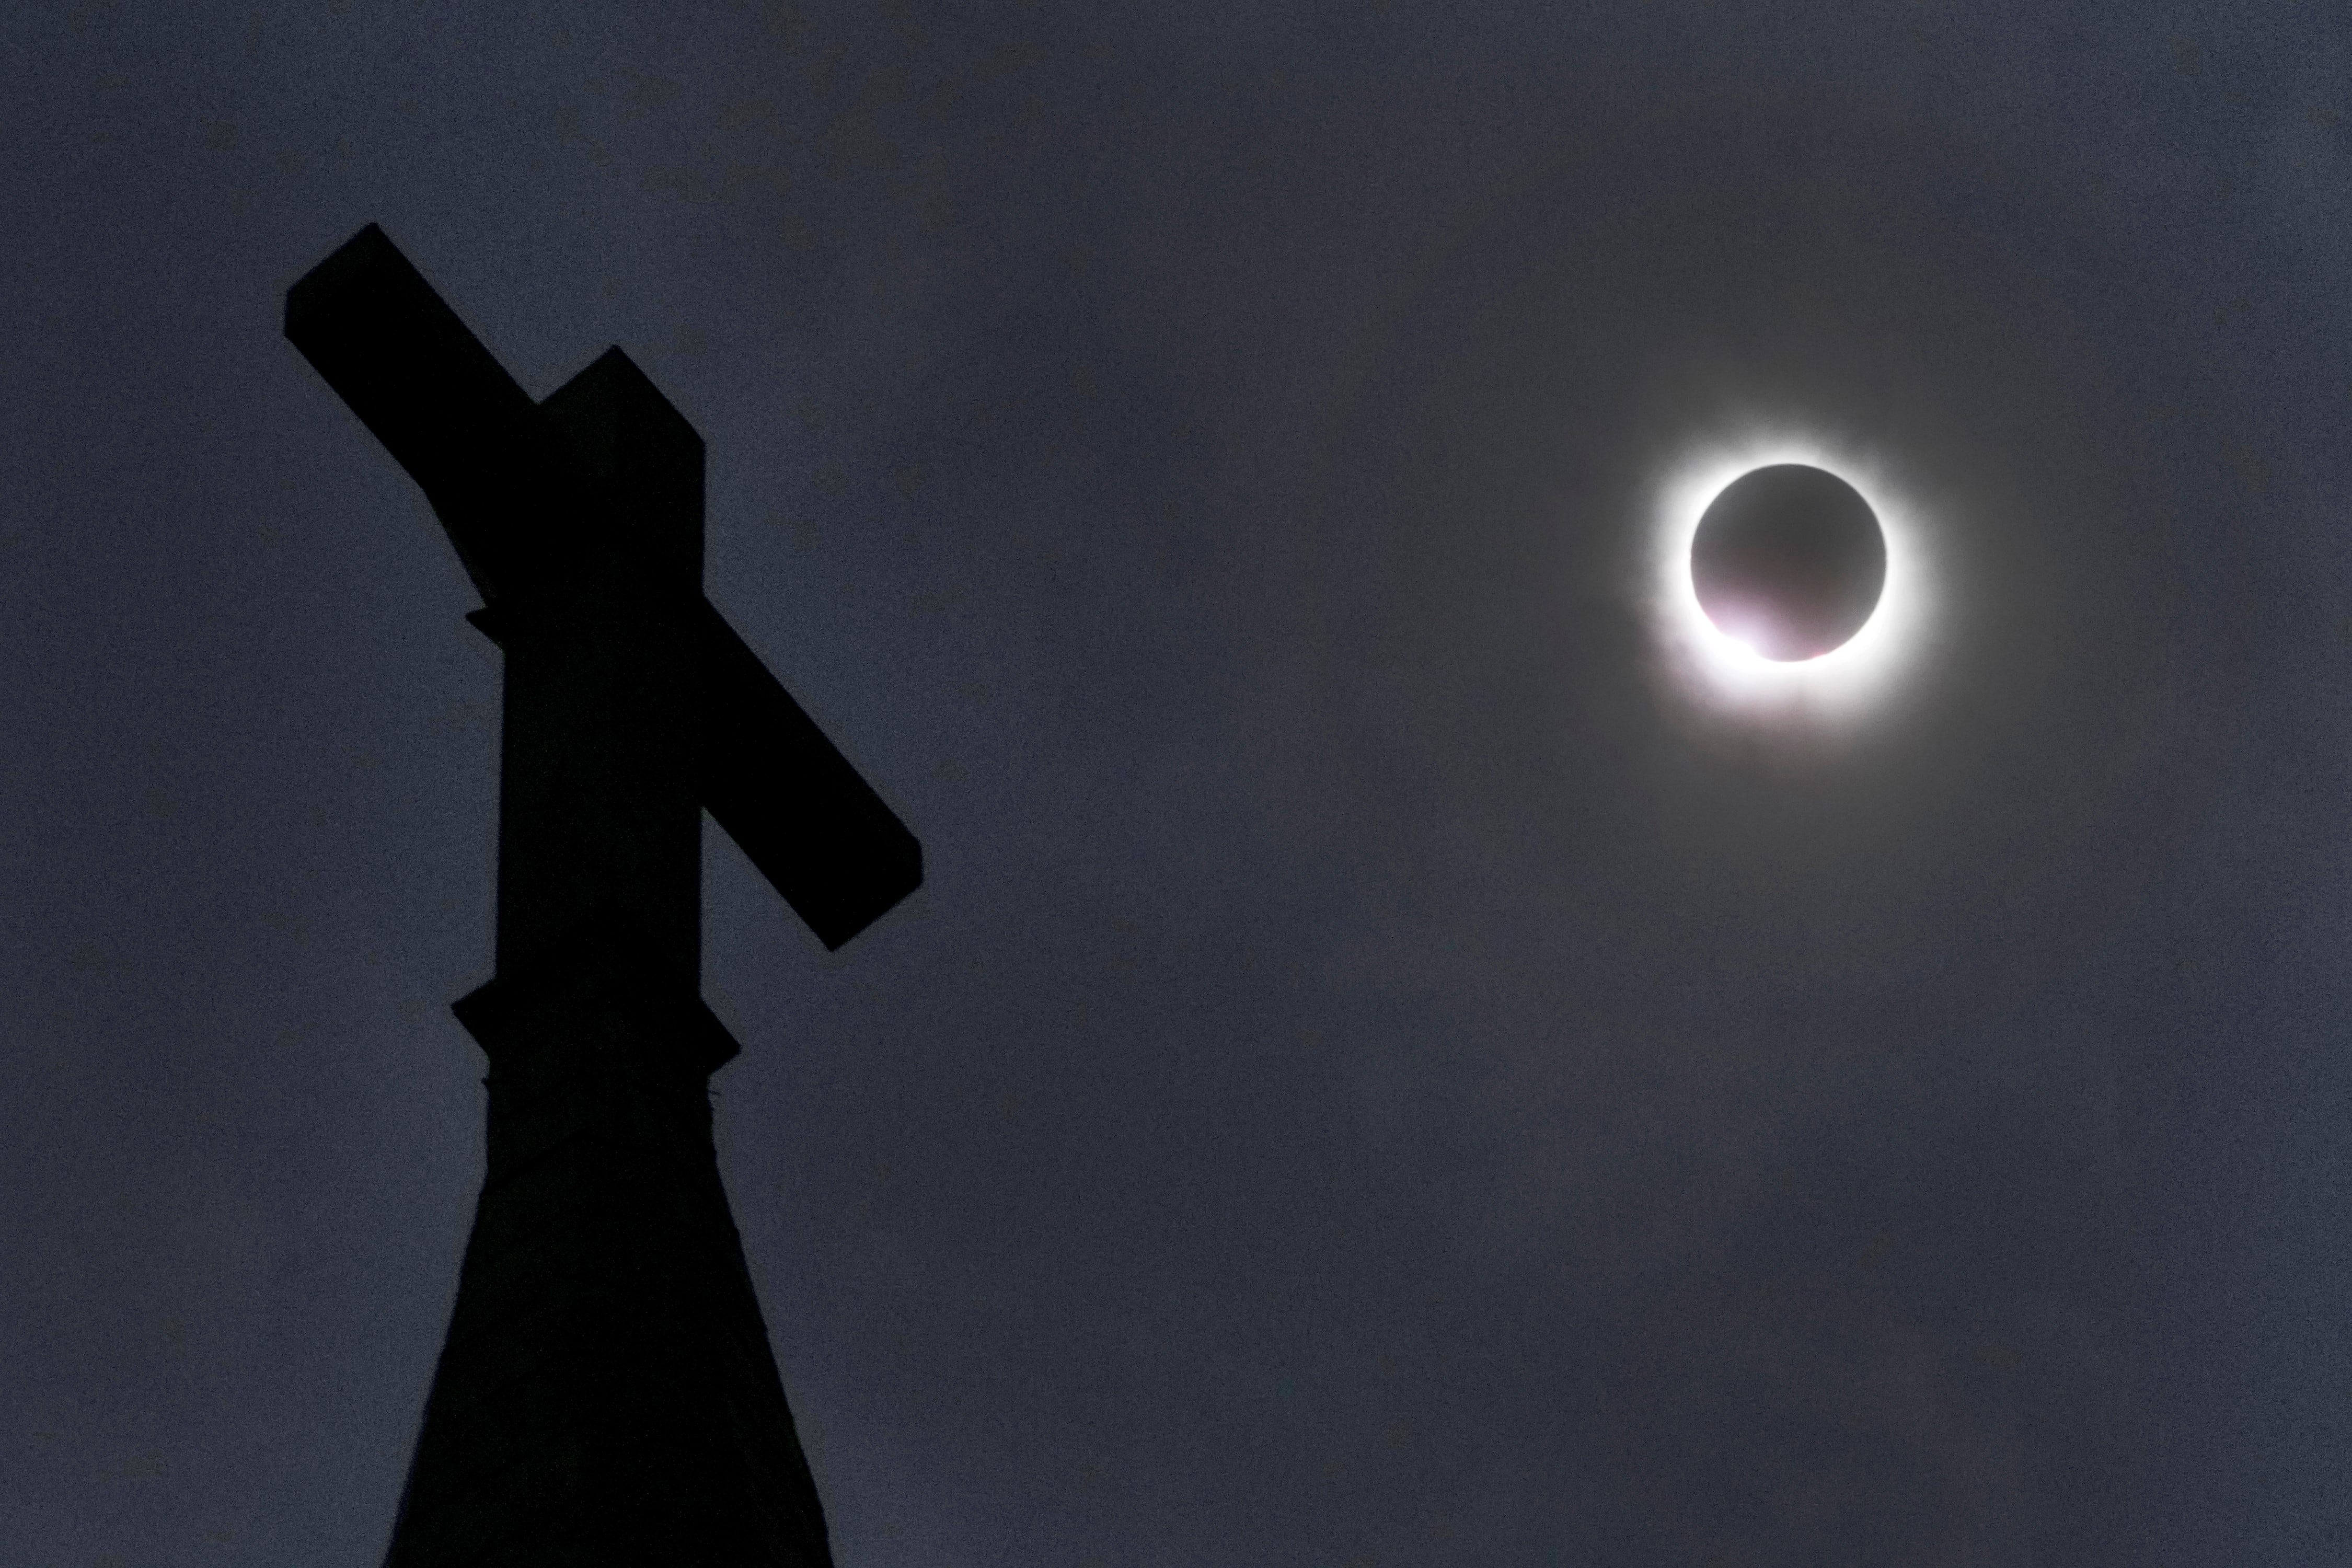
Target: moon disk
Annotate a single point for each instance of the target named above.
(1790, 560)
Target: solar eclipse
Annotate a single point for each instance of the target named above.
(1788, 573)
(1789, 560)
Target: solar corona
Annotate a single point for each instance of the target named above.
(1785, 578)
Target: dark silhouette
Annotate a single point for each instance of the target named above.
(607, 1395)
(1789, 560)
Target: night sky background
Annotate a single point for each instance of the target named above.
(1386, 1067)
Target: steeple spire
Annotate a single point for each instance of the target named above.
(607, 1394)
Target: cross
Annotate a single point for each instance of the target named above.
(606, 1337)
(580, 521)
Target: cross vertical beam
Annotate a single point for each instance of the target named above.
(599, 819)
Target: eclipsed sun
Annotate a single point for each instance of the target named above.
(1787, 577)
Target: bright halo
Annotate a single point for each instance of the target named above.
(1725, 672)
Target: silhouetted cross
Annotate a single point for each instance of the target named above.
(630, 702)
(606, 1393)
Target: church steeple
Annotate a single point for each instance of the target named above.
(607, 1394)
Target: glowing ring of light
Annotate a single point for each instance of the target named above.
(1723, 672)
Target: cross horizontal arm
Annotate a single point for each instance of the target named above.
(791, 801)
(440, 403)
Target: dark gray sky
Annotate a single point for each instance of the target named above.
(1390, 1064)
